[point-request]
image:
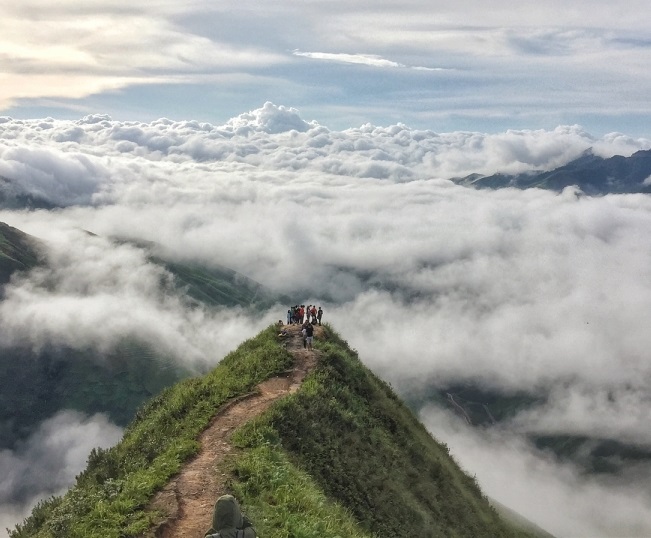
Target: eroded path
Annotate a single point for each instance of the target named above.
(190, 496)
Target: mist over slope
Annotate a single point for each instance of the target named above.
(433, 283)
(62, 394)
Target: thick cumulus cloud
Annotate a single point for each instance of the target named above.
(61, 179)
(46, 464)
(433, 283)
(95, 160)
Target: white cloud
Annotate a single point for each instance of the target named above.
(555, 496)
(72, 53)
(494, 65)
(48, 462)
(95, 294)
(619, 412)
(516, 290)
(371, 60)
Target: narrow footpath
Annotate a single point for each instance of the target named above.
(189, 497)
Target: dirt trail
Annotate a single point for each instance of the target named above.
(189, 497)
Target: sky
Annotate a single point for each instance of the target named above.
(432, 282)
(445, 66)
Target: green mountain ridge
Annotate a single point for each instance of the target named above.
(18, 252)
(342, 456)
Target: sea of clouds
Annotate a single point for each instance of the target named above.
(431, 282)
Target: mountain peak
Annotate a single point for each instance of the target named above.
(298, 436)
(592, 174)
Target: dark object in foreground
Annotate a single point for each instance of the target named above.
(228, 520)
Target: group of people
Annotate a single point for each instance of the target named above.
(307, 317)
(299, 314)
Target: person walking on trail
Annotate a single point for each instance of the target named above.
(319, 315)
(309, 336)
(313, 314)
(228, 520)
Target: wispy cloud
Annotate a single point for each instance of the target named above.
(494, 67)
(361, 59)
(47, 463)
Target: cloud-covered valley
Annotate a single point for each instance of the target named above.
(433, 283)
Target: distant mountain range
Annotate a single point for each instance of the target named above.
(14, 196)
(592, 174)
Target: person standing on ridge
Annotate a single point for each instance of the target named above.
(228, 521)
(319, 315)
(309, 336)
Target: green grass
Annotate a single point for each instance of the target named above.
(283, 500)
(341, 457)
(110, 496)
(360, 445)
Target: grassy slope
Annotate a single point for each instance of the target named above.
(218, 286)
(18, 251)
(110, 495)
(343, 440)
(364, 449)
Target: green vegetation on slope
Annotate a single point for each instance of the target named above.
(481, 406)
(365, 450)
(340, 457)
(218, 286)
(282, 499)
(110, 496)
(35, 385)
(18, 251)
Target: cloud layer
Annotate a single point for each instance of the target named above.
(433, 283)
(48, 462)
(555, 496)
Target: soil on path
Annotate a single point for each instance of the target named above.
(188, 499)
